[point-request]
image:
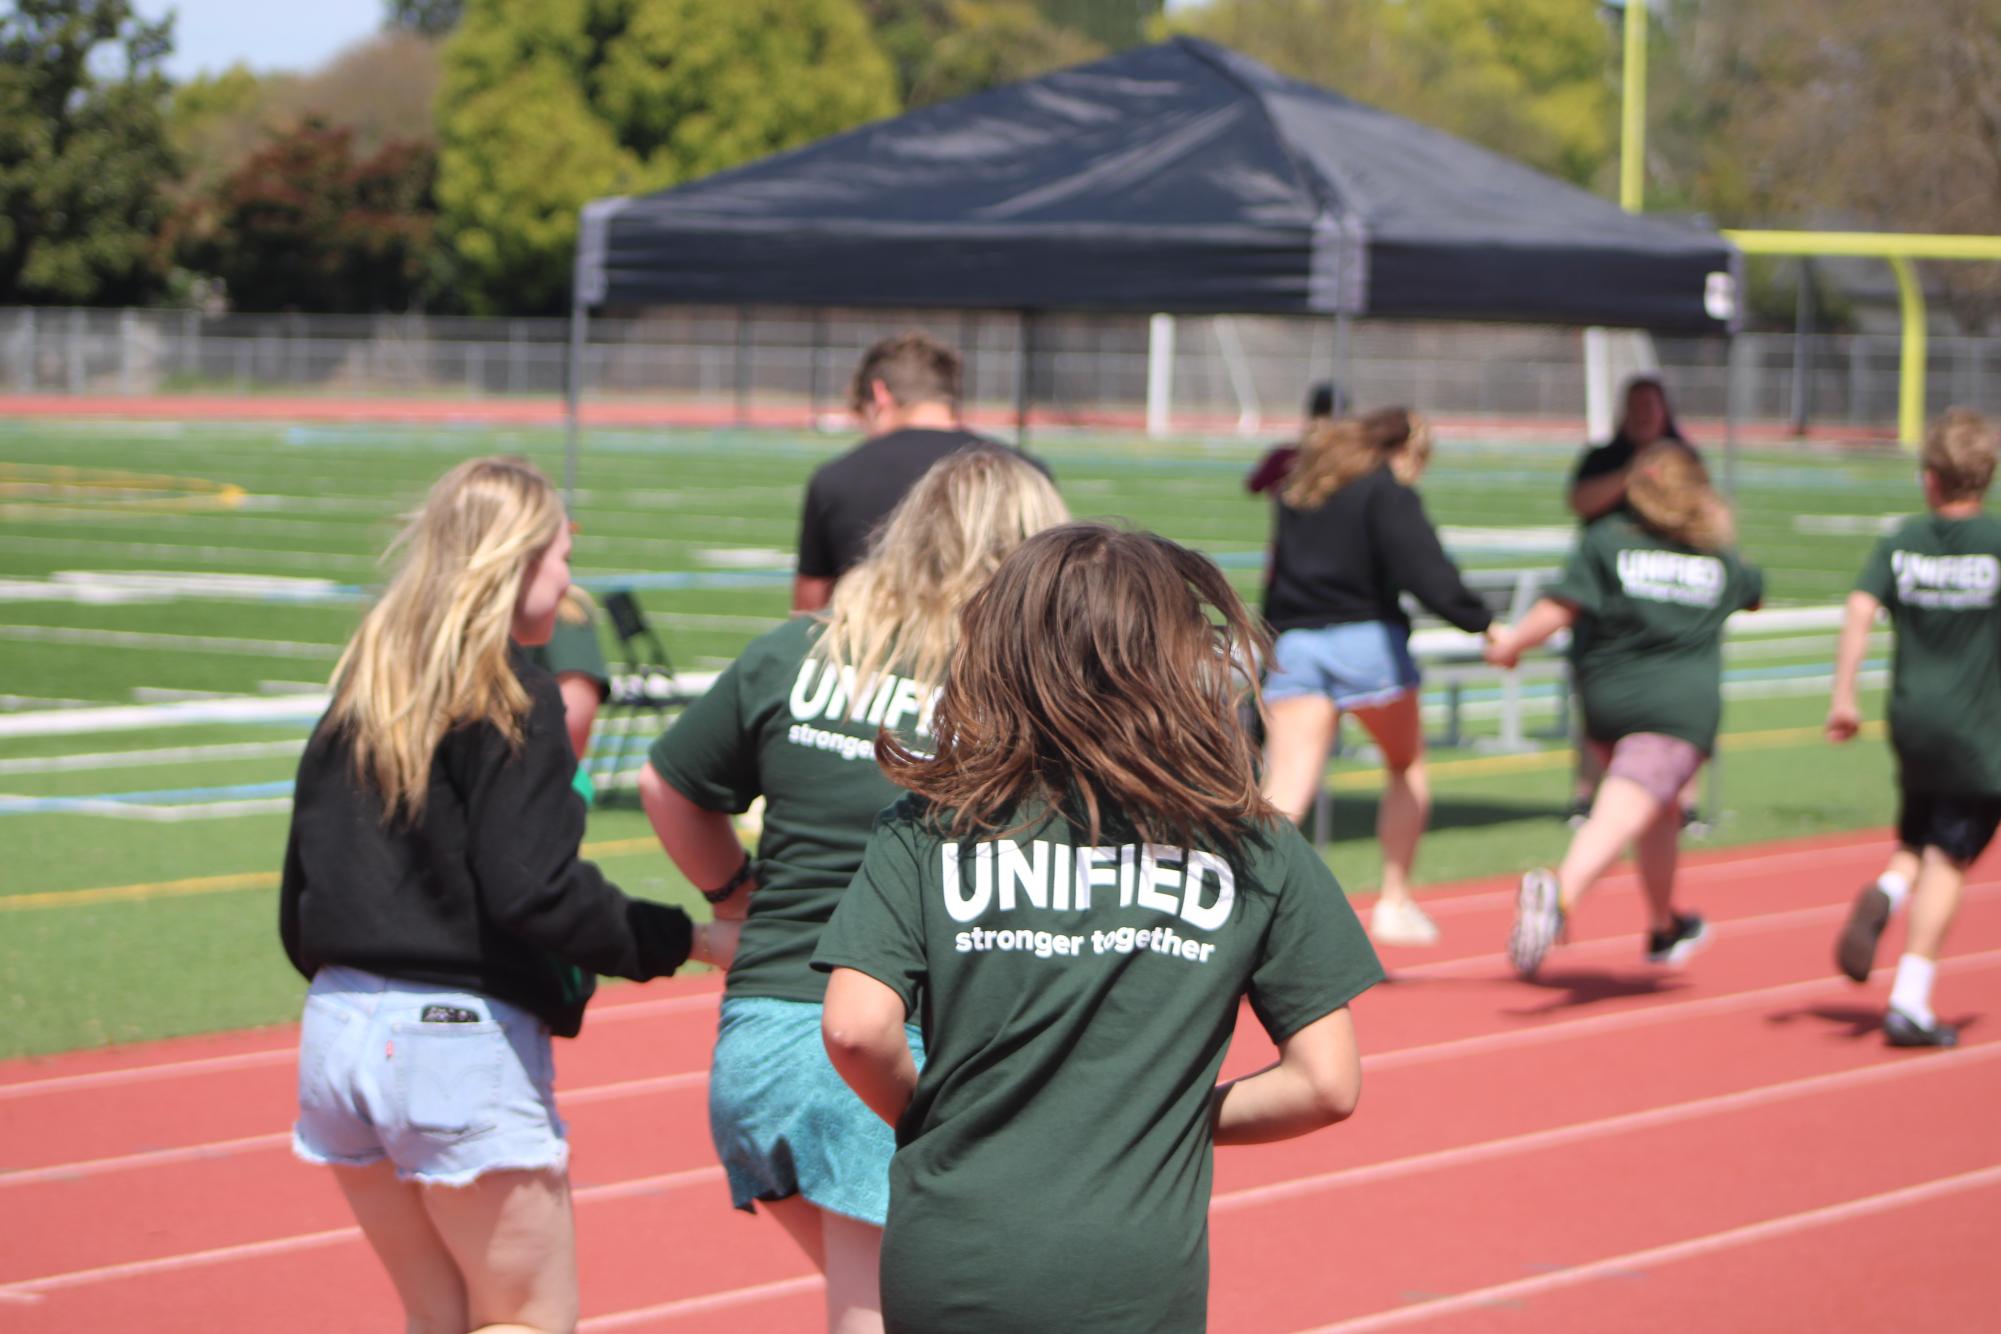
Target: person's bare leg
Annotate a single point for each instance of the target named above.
(514, 1237)
(1405, 809)
(1297, 739)
(1941, 883)
(1903, 864)
(1658, 851)
(854, 1274)
(801, 1222)
(1622, 811)
(1588, 772)
(393, 1218)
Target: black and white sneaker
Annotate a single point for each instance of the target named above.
(1688, 935)
(1538, 922)
(1900, 1030)
(1855, 947)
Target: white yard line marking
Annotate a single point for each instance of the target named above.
(1620, 1265)
(132, 759)
(262, 648)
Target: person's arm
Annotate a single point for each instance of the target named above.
(1410, 549)
(861, 1023)
(290, 887)
(1844, 712)
(810, 593)
(1316, 1082)
(701, 842)
(813, 581)
(1591, 497)
(525, 828)
(582, 693)
(1544, 619)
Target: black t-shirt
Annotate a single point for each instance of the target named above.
(1349, 559)
(1615, 455)
(848, 496)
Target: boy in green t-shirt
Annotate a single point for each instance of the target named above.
(1939, 577)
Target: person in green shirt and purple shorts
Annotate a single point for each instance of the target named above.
(1646, 594)
(1083, 885)
(1939, 577)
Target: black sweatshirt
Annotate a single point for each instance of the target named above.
(1349, 559)
(486, 891)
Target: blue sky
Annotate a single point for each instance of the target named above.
(212, 35)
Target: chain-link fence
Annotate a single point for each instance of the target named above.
(1253, 371)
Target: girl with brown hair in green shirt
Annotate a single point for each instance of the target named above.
(1083, 885)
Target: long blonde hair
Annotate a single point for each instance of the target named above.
(1335, 453)
(431, 654)
(900, 605)
(1670, 492)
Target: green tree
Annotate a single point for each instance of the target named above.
(1527, 78)
(995, 42)
(84, 158)
(942, 49)
(546, 104)
(306, 224)
(1112, 23)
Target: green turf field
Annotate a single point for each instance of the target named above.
(150, 563)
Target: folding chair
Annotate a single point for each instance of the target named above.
(642, 694)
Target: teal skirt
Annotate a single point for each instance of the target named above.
(783, 1120)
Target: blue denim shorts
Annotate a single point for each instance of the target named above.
(1356, 665)
(445, 1083)
(784, 1121)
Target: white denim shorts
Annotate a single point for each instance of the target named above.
(445, 1083)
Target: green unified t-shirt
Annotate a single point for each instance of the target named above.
(1939, 579)
(574, 647)
(1053, 1170)
(1648, 644)
(782, 724)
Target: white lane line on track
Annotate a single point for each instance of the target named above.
(35, 1288)
(1619, 1265)
(615, 1012)
(643, 1315)
(1397, 1058)
(1626, 878)
(1646, 1119)
(1251, 1197)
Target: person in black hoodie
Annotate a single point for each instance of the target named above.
(1352, 537)
(433, 894)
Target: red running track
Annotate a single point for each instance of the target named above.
(1725, 1146)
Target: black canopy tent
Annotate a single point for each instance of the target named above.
(1181, 178)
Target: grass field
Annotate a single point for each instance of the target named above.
(149, 563)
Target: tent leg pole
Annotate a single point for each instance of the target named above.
(1024, 356)
(1712, 795)
(1159, 375)
(573, 387)
(1344, 362)
(1802, 331)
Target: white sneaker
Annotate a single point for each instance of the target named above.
(1538, 922)
(1401, 922)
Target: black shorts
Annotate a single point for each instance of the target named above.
(1960, 827)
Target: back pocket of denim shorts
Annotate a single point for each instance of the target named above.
(448, 1075)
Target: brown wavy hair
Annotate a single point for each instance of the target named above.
(1670, 492)
(1098, 669)
(1335, 453)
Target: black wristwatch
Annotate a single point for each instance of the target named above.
(734, 883)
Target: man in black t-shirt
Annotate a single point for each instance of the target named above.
(906, 393)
